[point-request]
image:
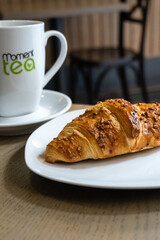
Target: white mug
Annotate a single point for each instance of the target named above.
(22, 65)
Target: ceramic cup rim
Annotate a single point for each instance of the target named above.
(10, 24)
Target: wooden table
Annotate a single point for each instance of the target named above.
(32, 207)
(40, 9)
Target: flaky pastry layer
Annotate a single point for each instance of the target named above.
(109, 128)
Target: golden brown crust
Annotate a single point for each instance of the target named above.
(107, 129)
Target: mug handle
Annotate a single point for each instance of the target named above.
(63, 52)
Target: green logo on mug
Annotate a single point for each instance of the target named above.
(17, 66)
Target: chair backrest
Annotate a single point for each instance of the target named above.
(130, 16)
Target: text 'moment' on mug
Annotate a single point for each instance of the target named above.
(22, 65)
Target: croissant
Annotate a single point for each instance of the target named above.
(109, 128)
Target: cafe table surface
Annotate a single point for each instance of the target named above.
(33, 207)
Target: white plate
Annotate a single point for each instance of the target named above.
(52, 104)
(132, 171)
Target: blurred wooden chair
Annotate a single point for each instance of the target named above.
(85, 60)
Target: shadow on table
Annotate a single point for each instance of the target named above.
(21, 183)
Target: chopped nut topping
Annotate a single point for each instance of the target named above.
(79, 149)
(102, 146)
(124, 105)
(155, 126)
(145, 114)
(154, 119)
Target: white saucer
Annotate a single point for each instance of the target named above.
(52, 104)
